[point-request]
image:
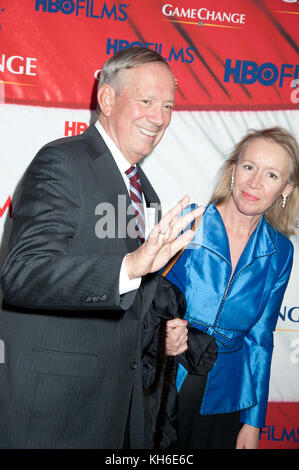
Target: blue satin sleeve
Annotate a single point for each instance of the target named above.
(259, 345)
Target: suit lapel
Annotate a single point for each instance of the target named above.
(111, 183)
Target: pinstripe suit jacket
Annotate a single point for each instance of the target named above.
(72, 368)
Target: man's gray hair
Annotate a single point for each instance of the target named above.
(112, 71)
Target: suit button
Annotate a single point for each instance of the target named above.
(133, 365)
(103, 298)
(88, 299)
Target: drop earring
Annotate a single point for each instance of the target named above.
(284, 200)
(232, 183)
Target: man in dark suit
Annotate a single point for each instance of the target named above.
(75, 291)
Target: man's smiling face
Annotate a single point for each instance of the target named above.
(141, 112)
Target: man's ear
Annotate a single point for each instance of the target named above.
(106, 97)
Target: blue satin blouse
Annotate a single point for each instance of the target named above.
(240, 313)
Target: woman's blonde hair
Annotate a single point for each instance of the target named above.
(281, 218)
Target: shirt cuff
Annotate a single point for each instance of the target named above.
(126, 284)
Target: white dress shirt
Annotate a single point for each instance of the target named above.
(125, 284)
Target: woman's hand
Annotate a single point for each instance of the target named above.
(248, 437)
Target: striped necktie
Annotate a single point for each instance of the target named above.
(136, 198)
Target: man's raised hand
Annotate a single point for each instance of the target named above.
(163, 241)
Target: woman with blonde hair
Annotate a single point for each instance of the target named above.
(234, 277)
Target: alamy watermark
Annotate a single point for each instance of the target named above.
(113, 221)
(119, 221)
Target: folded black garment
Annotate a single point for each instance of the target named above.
(201, 353)
(159, 370)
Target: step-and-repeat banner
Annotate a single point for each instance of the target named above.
(237, 67)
